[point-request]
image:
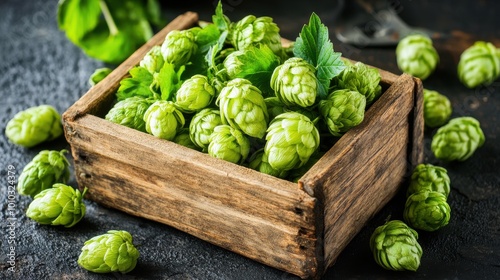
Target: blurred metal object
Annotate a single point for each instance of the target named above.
(374, 23)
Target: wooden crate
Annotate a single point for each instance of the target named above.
(298, 228)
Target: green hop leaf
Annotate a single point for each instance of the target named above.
(428, 177)
(195, 94)
(43, 171)
(342, 110)
(416, 56)
(458, 139)
(99, 75)
(178, 47)
(437, 108)
(242, 106)
(202, 126)
(479, 64)
(427, 210)
(294, 82)
(395, 247)
(163, 119)
(59, 205)
(291, 139)
(252, 30)
(113, 251)
(138, 84)
(130, 112)
(34, 125)
(361, 78)
(229, 144)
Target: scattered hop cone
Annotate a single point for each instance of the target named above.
(229, 144)
(59, 205)
(479, 64)
(99, 75)
(195, 94)
(458, 139)
(130, 112)
(437, 108)
(395, 247)
(342, 110)
(43, 171)
(202, 126)
(178, 47)
(163, 119)
(34, 125)
(416, 55)
(361, 78)
(427, 210)
(291, 139)
(242, 106)
(274, 107)
(294, 82)
(252, 30)
(113, 251)
(153, 61)
(428, 177)
(256, 163)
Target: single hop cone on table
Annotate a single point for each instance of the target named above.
(427, 210)
(43, 171)
(34, 125)
(229, 143)
(428, 177)
(437, 108)
(130, 112)
(361, 78)
(458, 139)
(163, 119)
(416, 55)
(395, 246)
(113, 251)
(178, 47)
(294, 82)
(479, 65)
(60, 205)
(195, 94)
(202, 126)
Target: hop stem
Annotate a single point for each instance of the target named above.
(113, 30)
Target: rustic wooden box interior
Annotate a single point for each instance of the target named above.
(299, 228)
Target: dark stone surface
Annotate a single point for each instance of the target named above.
(38, 65)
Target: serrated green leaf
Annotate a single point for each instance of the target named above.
(136, 85)
(169, 81)
(219, 19)
(314, 45)
(78, 17)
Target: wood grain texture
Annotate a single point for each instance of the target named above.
(298, 228)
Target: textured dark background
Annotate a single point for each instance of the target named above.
(38, 65)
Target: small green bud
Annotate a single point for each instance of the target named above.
(417, 56)
(178, 47)
(479, 64)
(163, 119)
(342, 110)
(99, 75)
(437, 108)
(229, 144)
(113, 251)
(59, 205)
(183, 138)
(34, 125)
(458, 139)
(256, 163)
(395, 247)
(195, 94)
(153, 60)
(428, 177)
(130, 112)
(43, 171)
(361, 78)
(202, 126)
(427, 210)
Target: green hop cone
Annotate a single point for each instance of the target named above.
(229, 144)
(458, 139)
(274, 107)
(395, 247)
(291, 139)
(178, 47)
(416, 55)
(163, 119)
(256, 163)
(361, 78)
(252, 30)
(202, 126)
(195, 94)
(342, 110)
(43, 171)
(479, 64)
(427, 210)
(130, 112)
(113, 251)
(437, 108)
(183, 138)
(242, 106)
(99, 75)
(60, 205)
(294, 82)
(34, 125)
(153, 61)
(428, 177)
